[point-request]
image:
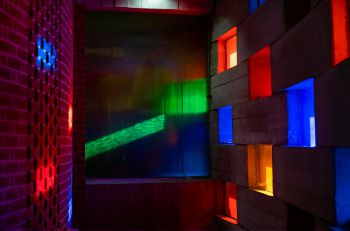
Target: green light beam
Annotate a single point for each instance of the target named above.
(124, 136)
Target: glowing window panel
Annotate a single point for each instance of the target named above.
(260, 172)
(231, 200)
(254, 5)
(340, 23)
(342, 188)
(260, 74)
(189, 97)
(227, 50)
(124, 136)
(225, 125)
(46, 58)
(301, 114)
(231, 52)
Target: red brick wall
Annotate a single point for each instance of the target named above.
(35, 138)
(79, 115)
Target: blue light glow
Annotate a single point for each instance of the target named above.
(342, 188)
(70, 210)
(254, 5)
(194, 163)
(46, 58)
(301, 114)
(225, 125)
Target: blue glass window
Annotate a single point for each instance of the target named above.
(46, 58)
(342, 189)
(225, 125)
(301, 114)
(254, 5)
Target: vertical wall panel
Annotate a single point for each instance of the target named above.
(36, 140)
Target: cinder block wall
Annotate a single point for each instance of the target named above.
(304, 179)
(35, 131)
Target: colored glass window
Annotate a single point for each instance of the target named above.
(341, 30)
(301, 114)
(225, 125)
(260, 74)
(231, 200)
(260, 174)
(231, 52)
(227, 50)
(342, 188)
(254, 5)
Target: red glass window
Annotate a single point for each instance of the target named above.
(227, 50)
(260, 74)
(340, 23)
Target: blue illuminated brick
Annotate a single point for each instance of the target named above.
(225, 125)
(301, 114)
(46, 58)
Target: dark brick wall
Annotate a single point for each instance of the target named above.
(36, 142)
(79, 115)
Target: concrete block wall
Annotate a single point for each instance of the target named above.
(35, 116)
(304, 180)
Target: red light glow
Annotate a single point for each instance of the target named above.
(341, 37)
(260, 74)
(229, 219)
(45, 178)
(231, 200)
(227, 50)
(70, 118)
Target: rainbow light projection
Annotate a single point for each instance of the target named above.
(46, 58)
(124, 136)
(155, 73)
(188, 97)
(301, 114)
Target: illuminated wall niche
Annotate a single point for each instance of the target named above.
(342, 188)
(227, 50)
(341, 30)
(260, 173)
(254, 5)
(46, 55)
(225, 125)
(231, 202)
(260, 74)
(301, 114)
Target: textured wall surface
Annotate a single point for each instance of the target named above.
(153, 205)
(307, 182)
(79, 116)
(35, 115)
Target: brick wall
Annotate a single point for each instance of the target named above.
(79, 115)
(36, 141)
